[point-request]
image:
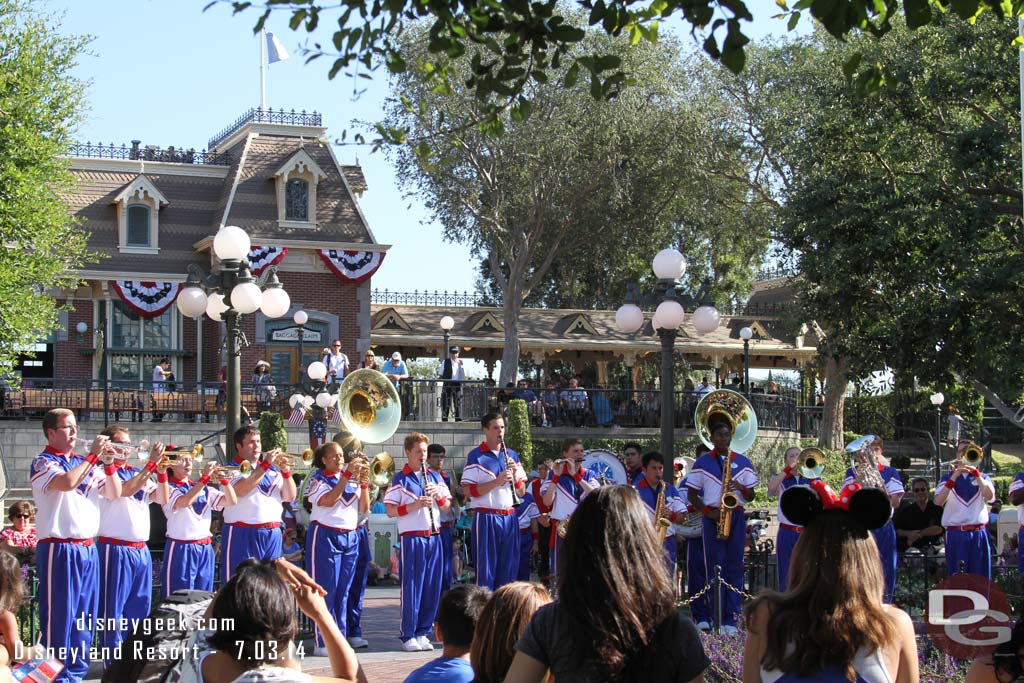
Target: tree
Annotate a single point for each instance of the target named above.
(40, 103)
(522, 40)
(518, 435)
(902, 209)
(578, 173)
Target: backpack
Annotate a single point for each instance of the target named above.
(163, 650)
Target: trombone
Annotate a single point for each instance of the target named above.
(811, 463)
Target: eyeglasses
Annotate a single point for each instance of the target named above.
(21, 517)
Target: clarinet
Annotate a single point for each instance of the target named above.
(426, 480)
(516, 500)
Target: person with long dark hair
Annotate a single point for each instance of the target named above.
(502, 622)
(832, 623)
(616, 618)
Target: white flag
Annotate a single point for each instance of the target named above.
(275, 50)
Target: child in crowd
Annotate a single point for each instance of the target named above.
(457, 617)
(502, 624)
(291, 549)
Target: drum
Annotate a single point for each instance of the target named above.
(605, 466)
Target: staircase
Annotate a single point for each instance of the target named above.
(1001, 429)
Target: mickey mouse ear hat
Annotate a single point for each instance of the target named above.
(801, 504)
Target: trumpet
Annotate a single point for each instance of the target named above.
(291, 459)
(971, 456)
(225, 471)
(123, 451)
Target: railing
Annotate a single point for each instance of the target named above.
(425, 298)
(257, 115)
(423, 400)
(776, 273)
(151, 153)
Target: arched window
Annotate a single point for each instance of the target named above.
(297, 200)
(137, 234)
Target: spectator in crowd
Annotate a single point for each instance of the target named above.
(336, 362)
(734, 384)
(161, 373)
(534, 408)
(12, 590)
(704, 388)
(369, 361)
(602, 407)
(395, 369)
(574, 402)
(832, 623)
(291, 550)
(1002, 666)
(458, 614)
(993, 521)
(502, 623)
(616, 616)
(504, 396)
(257, 610)
(263, 386)
(550, 401)
(20, 539)
(378, 507)
(919, 522)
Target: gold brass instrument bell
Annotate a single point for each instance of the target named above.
(369, 406)
(972, 455)
(811, 463)
(725, 405)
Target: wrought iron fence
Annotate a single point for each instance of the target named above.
(425, 298)
(257, 115)
(151, 153)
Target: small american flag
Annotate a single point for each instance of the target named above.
(297, 417)
(334, 415)
(317, 433)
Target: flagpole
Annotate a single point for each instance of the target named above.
(263, 76)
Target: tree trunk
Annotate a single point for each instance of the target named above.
(510, 354)
(831, 434)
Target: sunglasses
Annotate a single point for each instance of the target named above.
(22, 517)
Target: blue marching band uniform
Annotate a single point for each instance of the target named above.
(568, 493)
(675, 509)
(526, 512)
(965, 519)
(885, 537)
(692, 538)
(789, 533)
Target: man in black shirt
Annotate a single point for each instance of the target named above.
(919, 522)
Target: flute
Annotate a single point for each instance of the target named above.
(430, 512)
(516, 500)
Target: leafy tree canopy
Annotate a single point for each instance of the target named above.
(39, 103)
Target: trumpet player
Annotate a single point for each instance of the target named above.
(354, 604)
(415, 497)
(885, 537)
(189, 559)
(491, 473)
(252, 528)
(435, 459)
(567, 483)
(704, 484)
(339, 497)
(66, 488)
(126, 567)
(651, 486)
(964, 494)
(789, 533)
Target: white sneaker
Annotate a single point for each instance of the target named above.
(729, 630)
(358, 643)
(703, 626)
(319, 651)
(412, 645)
(425, 643)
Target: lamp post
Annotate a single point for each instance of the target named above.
(937, 398)
(227, 295)
(447, 323)
(745, 334)
(300, 318)
(669, 301)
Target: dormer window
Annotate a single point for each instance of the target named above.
(297, 200)
(138, 217)
(296, 184)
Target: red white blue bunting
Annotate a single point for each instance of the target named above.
(261, 258)
(148, 299)
(352, 266)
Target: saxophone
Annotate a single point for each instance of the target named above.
(727, 502)
(661, 522)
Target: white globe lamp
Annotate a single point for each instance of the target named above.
(246, 297)
(669, 264)
(231, 243)
(275, 302)
(192, 302)
(706, 319)
(316, 371)
(670, 314)
(629, 318)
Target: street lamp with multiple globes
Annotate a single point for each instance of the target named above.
(936, 400)
(227, 295)
(745, 334)
(670, 302)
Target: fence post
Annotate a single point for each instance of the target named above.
(718, 599)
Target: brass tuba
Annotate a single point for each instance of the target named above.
(733, 408)
(369, 406)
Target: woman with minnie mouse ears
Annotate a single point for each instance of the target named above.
(831, 625)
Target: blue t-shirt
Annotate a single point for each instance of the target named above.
(443, 670)
(393, 368)
(378, 508)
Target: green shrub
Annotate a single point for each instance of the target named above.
(1002, 484)
(517, 433)
(272, 432)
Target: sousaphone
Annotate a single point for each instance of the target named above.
(369, 406)
(731, 407)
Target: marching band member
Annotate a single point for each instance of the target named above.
(332, 541)
(491, 471)
(885, 537)
(252, 527)
(705, 490)
(789, 533)
(354, 604)
(633, 463)
(650, 486)
(126, 567)
(963, 494)
(189, 560)
(529, 535)
(415, 496)
(65, 487)
(543, 521)
(563, 490)
(696, 573)
(435, 459)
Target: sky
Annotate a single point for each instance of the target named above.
(167, 73)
